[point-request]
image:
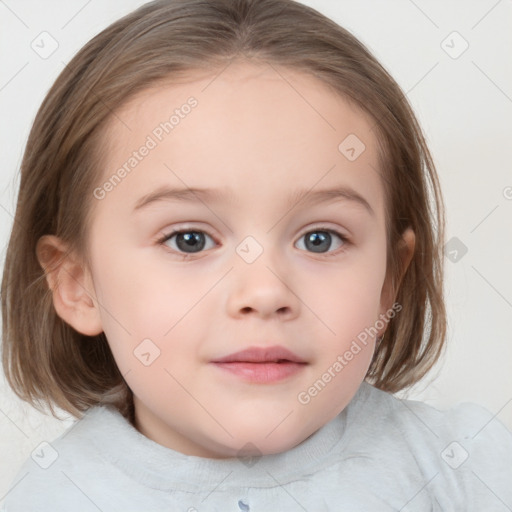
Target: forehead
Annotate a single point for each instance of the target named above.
(251, 125)
(243, 88)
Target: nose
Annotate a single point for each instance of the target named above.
(263, 290)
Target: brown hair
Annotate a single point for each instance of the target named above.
(44, 359)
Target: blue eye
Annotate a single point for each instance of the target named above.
(187, 241)
(320, 240)
(191, 241)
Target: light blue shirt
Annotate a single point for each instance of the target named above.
(379, 454)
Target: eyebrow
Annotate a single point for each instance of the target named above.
(165, 193)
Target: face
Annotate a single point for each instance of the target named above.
(279, 252)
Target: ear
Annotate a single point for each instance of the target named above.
(71, 285)
(405, 253)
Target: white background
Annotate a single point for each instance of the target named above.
(464, 105)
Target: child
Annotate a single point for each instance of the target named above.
(226, 258)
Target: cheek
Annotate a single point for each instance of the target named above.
(147, 310)
(347, 302)
(346, 296)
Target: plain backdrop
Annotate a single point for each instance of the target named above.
(451, 58)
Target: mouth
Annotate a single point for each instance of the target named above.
(262, 365)
(275, 354)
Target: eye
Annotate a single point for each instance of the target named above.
(186, 241)
(320, 240)
(191, 241)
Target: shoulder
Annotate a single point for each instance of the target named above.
(464, 452)
(69, 463)
(463, 418)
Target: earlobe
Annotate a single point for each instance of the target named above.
(70, 284)
(406, 249)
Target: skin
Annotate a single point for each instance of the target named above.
(258, 138)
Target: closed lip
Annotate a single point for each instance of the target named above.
(274, 354)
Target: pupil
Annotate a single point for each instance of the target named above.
(190, 240)
(318, 240)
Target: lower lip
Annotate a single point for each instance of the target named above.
(262, 372)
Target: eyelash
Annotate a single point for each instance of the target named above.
(168, 236)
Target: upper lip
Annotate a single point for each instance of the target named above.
(261, 355)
